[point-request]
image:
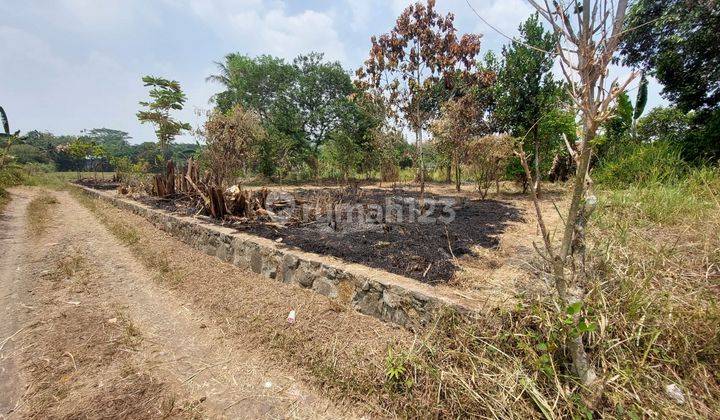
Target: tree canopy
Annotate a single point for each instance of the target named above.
(166, 96)
(526, 91)
(406, 64)
(678, 42)
(300, 104)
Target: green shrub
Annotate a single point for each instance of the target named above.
(693, 197)
(642, 164)
(10, 176)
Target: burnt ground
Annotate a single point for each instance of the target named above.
(393, 237)
(98, 184)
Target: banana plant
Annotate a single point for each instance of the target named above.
(5, 123)
(8, 138)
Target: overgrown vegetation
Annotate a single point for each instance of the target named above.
(13, 175)
(650, 319)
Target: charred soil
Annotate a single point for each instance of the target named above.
(379, 228)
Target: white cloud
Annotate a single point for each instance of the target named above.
(267, 28)
(46, 91)
(288, 36)
(23, 46)
(360, 13)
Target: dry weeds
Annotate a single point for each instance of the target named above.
(653, 298)
(40, 213)
(336, 348)
(79, 353)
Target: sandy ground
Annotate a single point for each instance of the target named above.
(87, 331)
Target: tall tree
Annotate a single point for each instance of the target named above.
(669, 125)
(114, 142)
(526, 90)
(300, 104)
(405, 64)
(254, 83)
(459, 123)
(322, 93)
(166, 96)
(465, 103)
(678, 42)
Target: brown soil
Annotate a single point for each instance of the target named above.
(89, 331)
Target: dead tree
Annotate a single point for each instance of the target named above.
(588, 36)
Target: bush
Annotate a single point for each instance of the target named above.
(488, 158)
(10, 176)
(232, 139)
(642, 164)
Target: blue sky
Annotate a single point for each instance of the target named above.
(68, 65)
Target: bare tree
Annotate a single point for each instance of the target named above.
(588, 36)
(487, 159)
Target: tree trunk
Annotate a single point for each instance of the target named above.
(536, 161)
(418, 140)
(448, 173)
(421, 165)
(581, 366)
(457, 174)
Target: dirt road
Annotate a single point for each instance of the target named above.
(87, 332)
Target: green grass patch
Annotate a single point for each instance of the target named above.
(655, 254)
(642, 164)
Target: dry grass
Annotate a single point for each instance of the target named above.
(455, 369)
(337, 349)
(654, 293)
(78, 353)
(653, 288)
(40, 213)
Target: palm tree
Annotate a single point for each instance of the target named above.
(229, 75)
(9, 137)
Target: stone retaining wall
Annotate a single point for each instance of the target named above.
(373, 292)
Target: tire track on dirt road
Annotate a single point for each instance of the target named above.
(12, 250)
(136, 334)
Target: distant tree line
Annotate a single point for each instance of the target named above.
(95, 149)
